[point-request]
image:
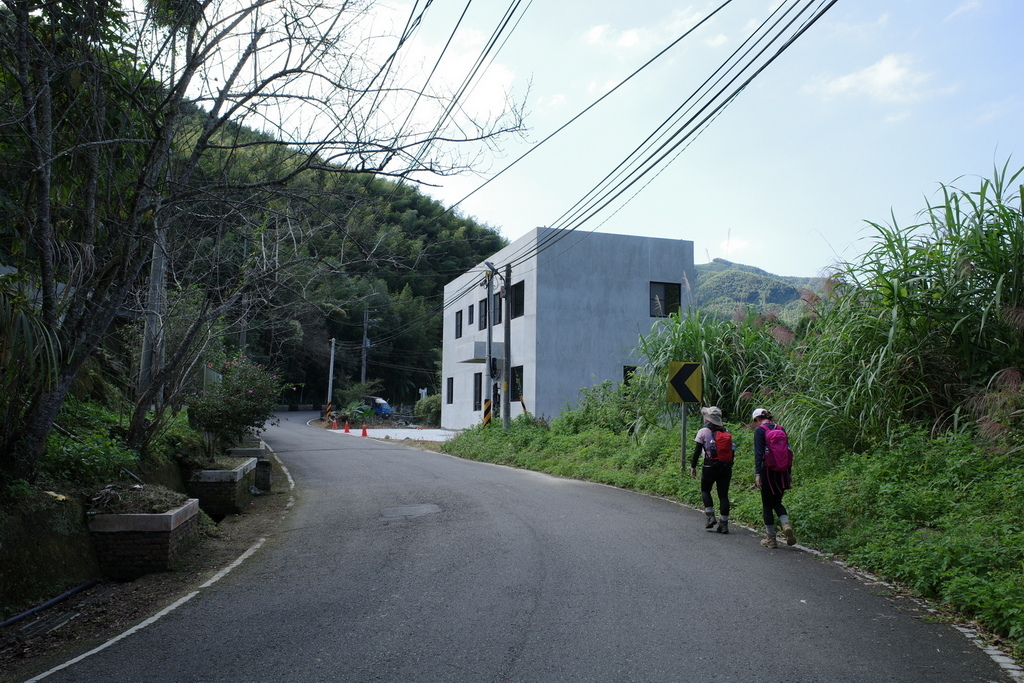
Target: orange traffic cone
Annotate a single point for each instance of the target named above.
(364, 430)
(334, 423)
(346, 427)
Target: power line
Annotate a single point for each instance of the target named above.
(664, 141)
(678, 129)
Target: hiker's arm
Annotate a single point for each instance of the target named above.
(758, 451)
(698, 448)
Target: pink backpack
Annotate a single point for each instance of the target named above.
(778, 456)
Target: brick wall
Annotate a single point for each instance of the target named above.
(126, 555)
(223, 492)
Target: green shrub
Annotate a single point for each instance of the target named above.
(86, 459)
(86, 447)
(244, 400)
(428, 410)
(176, 439)
(616, 407)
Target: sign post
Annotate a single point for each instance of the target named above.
(685, 385)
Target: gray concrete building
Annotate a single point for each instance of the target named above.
(579, 302)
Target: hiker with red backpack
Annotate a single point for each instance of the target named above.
(773, 466)
(715, 442)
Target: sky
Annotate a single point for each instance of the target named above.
(861, 119)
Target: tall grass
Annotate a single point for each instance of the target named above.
(742, 360)
(918, 327)
(926, 327)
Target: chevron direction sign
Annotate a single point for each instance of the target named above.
(685, 382)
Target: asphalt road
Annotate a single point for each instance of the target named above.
(408, 566)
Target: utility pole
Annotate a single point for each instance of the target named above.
(506, 399)
(366, 342)
(243, 335)
(330, 380)
(153, 341)
(491, 272)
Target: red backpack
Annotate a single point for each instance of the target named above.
(778, 456)
(721, 447)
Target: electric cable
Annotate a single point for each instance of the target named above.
(629, 172)
(680, 135)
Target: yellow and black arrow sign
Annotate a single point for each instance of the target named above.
(685, 382)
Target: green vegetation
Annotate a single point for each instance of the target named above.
(144, 235)
(725, 289)
(901, 387)
(428, 410)
(157, 216)
(243, 399)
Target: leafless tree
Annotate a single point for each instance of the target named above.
(123, 124)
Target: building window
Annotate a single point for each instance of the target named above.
(469, 316)
(627, 373)
(483, 314)
(450, 398)
(478, 390)
(458, 324)
(496, 310)
(518, 299)
(664, 299)
(516, 389)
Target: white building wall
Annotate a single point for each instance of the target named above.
(587, 301)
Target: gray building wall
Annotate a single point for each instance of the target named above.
(587, 301)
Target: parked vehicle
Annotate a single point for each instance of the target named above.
(379, 406)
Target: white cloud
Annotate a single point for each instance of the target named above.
(891, 79)
(897, 117)
(1006, 109)
(596, 89)
(624, 39)
(683, 20)
(970, 6)
(596, 35)
(717, 40)
(628, 38)
(552, 102)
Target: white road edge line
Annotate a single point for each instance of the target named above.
(167, 610)
(162, 613)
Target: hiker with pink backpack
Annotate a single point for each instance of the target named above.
(715, 442)
(773, 467)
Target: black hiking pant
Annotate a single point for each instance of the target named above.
(712, 475)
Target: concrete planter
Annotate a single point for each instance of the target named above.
(248, 451)
(223, 492)
(130, 545)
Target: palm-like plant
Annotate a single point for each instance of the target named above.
(27, 352)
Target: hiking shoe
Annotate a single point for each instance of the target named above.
(769, 542)
(723, 526)
(710, 525)
(787, 529)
